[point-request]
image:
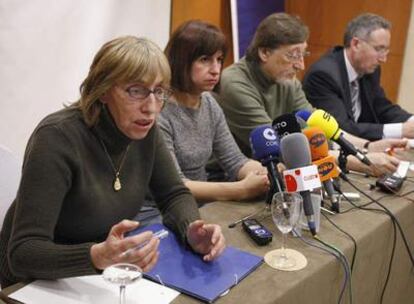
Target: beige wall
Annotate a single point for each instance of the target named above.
(406, 94)
(47, 47)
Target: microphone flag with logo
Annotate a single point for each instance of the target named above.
(327, 168)
(301, 175)
(265, 148)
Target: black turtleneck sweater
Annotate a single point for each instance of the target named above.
(66, 202)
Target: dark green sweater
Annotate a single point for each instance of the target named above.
(66, 202)
(249, 99)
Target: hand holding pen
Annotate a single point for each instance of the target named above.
(140, 249)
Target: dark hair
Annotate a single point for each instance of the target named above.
(363, 25)
(189, 41)
(274, 31)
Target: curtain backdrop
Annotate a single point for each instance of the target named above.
(246, 16)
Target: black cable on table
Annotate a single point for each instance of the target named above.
(347, 234)
(338, 255)
(393, 220)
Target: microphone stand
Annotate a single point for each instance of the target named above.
(342, 161)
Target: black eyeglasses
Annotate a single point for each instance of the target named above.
(139, 93)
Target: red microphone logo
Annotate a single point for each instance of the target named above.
(291, 184)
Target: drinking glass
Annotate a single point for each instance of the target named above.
(286, 209)
(122, 274)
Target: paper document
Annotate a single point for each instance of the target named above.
(92, 289)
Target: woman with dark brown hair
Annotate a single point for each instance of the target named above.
(193, 124)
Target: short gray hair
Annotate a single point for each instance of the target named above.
(363, 25)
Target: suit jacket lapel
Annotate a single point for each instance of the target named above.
(366, 100)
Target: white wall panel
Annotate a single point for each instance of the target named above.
(46, 47)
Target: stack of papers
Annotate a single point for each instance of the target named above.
(92, 290)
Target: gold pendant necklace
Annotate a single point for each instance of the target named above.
(117, 185)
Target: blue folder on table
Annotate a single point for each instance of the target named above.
(182, 269)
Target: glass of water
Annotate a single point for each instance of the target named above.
(286, 208)
(122, 274)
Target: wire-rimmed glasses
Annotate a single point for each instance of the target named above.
(138, 93)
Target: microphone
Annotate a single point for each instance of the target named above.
(330, 127)
(286, 124)
(302, 176)
(301, 117)
(303, 114)
(265, 148)
(302, 123)
(327, 168)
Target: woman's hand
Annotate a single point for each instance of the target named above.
(140, 249)
(206, 239)
(254, 184)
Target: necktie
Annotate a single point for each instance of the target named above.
(356, 107)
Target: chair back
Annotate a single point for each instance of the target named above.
(10, 171)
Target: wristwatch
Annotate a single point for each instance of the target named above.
(365, 147)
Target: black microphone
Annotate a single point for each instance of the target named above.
(265, 148)
(295, 152)
(286, 124)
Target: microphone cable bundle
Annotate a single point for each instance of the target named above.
(349, 236)
(339, 255)
(395, 223)
(389, 213)
(394, 241)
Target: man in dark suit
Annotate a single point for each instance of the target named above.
(346, 83)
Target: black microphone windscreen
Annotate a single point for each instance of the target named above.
(286, 124)
(295, 151)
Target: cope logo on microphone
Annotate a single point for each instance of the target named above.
(317, 140)
(269, 134)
